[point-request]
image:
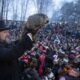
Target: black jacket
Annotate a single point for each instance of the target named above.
(67, 77)
(9, 55)
(31, 74)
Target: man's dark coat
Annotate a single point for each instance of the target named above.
(9, 55)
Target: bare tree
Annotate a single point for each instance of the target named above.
(40, 5)
(15, 8)
(24, 5)
(43, 5)
(7, 8)
(2, 8)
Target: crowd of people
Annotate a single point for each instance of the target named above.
(55, 55)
